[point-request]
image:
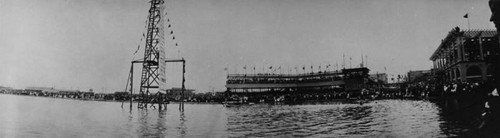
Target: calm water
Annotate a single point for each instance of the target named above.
(24, 116)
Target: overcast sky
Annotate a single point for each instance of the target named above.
(84, 44)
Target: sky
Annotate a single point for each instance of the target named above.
(75, 44)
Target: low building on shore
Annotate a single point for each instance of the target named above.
(5, 89)
(176, 93)
(380, 78)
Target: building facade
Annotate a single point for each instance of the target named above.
(466, 55)
(379, 78)
(353, 79)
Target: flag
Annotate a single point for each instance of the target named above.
(245, 67)
(304, 68)
(173, 37)
(169, 25)
(176, 44)
(172, 32)
(271, 67)
(225, 69)
(466, 15)
(138, 46)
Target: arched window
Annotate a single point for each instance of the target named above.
(473, 71)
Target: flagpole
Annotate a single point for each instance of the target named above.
(343, 60)
(468, 22)
(366, 60)
(254, 69)
(350, 62)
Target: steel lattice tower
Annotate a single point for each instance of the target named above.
(153, 69)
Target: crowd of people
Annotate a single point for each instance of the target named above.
(476, 100)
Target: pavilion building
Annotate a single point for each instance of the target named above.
(466, 55)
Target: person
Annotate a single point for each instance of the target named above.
(495, 13)
(491, 120)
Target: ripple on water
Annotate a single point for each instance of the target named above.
(382, 118)
(25, 116)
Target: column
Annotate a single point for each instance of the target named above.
(481, 47)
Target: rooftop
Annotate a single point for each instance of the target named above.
(456, 32)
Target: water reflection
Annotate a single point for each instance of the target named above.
(161, 121)
(182, 126)
(144, 129)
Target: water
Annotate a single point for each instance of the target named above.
(24, 116)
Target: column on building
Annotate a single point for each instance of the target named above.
(434, 63)
(459, 51)
(481, 54)
(440, 61)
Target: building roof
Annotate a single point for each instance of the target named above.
(471, 33)
(480, 33)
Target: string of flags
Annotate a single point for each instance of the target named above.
(169, 26)
(273, 69)
(142, 38)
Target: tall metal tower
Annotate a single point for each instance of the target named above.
(153, 66)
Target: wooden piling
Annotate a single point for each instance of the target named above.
(181, 104)
(131, 84)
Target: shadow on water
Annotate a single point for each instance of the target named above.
(462, 116)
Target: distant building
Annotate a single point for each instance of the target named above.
(419, 75)
(464, 55)
(176, 92)
(42, 89)
(379, 77)
(5, 89)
